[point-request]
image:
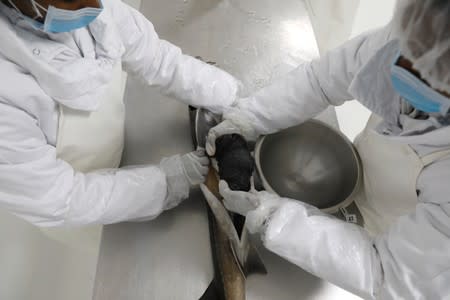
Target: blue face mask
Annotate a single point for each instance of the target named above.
(62, 20)
(416, 92)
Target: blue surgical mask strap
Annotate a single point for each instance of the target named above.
(14, 6)
(35, 5)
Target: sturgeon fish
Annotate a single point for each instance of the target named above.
(234, 257)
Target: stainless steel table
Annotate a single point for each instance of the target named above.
(169, 258)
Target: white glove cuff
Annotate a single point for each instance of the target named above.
(244, 123)
(258, 219)
(177, 184)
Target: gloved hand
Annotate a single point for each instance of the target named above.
(182, 172)
(256, 206)
(196, 166)
(234, 122)
(238, 201)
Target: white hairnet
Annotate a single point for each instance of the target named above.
(423, 29)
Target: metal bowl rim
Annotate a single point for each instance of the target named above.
(335, 208)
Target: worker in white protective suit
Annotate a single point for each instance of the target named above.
(62, 114)
(402, 74)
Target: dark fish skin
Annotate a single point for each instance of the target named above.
(236, 164)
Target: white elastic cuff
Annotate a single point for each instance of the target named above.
(258, 219)
(177, 184)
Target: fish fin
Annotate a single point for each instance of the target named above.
(239, 224)
(254, 263)
(212, 292)
(223, 218)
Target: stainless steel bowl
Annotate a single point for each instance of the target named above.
(312, 163)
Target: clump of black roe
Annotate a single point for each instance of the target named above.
(235, 161)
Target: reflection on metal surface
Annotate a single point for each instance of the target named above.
(310, 162)
(170, 258)
(204, 121)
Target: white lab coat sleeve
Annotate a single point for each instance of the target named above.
(159, 63)
(409, 261)
(310, 88)
(46, 191)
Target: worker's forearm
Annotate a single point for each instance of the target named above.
(329, 248)
(288, 101)
(159, 63)
(125, 194)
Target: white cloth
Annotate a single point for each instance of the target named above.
(390, 175)
(40, 72)
(91, 141)
(409, 260)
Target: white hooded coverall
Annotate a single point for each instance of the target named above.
(405, 253)
(41, 72)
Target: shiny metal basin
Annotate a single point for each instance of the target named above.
(311, 162)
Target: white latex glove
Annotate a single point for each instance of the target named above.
(182, 172)
(196, 166)
(256, 206)
(237, 201)
(235, 124)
